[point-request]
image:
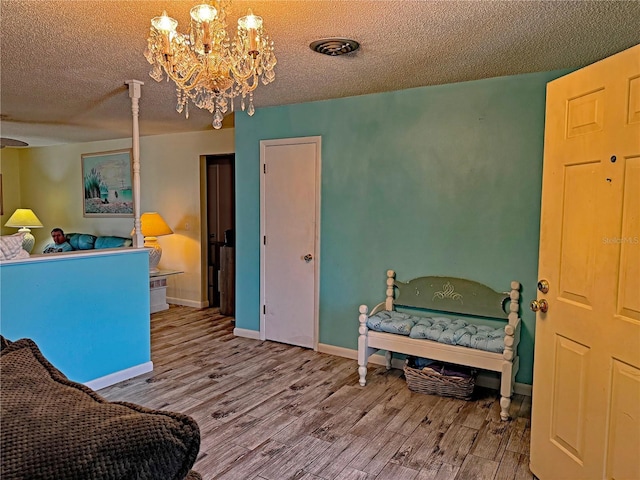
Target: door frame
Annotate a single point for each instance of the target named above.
(204, 221)
(317, 140)
(210, 160)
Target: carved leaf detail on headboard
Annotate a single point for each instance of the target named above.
(448, 291)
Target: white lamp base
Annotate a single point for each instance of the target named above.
(28, 240)
(155, 253)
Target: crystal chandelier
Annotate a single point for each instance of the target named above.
(207, 67)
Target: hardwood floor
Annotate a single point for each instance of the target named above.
(269, 411)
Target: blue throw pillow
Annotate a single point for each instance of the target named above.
(81, 241)
(112, 242)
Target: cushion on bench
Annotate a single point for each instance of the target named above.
(392, 322)
(440, 329)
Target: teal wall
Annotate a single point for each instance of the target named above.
(441, 180)
(89, 315)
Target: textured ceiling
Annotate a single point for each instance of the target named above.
(64, 63)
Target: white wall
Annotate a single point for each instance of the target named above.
(50, 180)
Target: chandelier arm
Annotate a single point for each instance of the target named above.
(243, 79)
(184, 83)
(252, 86)
(239, 75)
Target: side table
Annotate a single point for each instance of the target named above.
(158, 289)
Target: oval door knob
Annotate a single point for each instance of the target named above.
(543, 286)
(539, 305)
(308, 257)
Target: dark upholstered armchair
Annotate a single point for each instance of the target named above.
(53, 428)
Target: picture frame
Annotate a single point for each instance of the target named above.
(107, 187)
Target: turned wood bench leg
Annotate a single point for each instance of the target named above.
(511, 362)
(506, 389)
(362, 371)
(363, 348)
(505, 403)
(387, 357)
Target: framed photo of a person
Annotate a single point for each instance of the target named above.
(107, 184)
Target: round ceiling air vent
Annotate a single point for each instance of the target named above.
(334, 46)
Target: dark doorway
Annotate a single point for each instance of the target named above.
(221, 232)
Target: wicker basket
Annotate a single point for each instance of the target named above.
(433, 383)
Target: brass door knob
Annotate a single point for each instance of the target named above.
(543, 286)
(539, 305)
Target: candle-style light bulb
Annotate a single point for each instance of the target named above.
(164, 23)
(251, 23)
(167, 27)
(203, 13)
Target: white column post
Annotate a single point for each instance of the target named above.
(134, 95)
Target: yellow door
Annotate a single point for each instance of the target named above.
(585, 421)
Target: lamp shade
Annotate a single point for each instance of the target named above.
(23, 217)
(153, 225)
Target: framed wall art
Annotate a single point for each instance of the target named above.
(107, 184)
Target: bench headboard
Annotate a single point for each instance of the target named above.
(450, 294)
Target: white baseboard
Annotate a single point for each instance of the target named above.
(340, 351)
(484, 379)
(245, 333)
(187, 303)
(523, 389)
(116, 377)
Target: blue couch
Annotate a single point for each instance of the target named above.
(86, 241)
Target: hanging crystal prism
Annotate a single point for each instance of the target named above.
(251, 110)
(180, 103)
(217, 120)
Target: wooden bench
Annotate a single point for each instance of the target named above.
(447, 295)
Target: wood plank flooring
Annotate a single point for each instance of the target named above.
(269, 411)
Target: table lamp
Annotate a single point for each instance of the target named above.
(24, 219)
(152, 225)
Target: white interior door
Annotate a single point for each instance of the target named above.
(290, 197)
(585, 420)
